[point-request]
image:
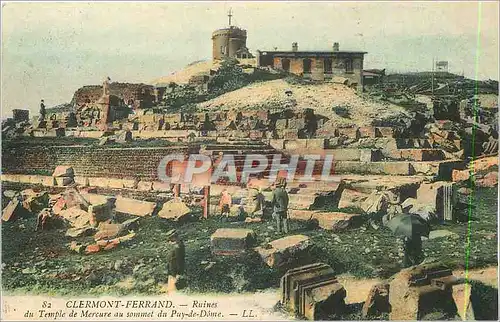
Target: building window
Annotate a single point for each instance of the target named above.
(285, 64)
(348, 65)
(306, 66)
(328, 66)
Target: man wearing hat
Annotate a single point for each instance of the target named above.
(280, 205)
(176, 260)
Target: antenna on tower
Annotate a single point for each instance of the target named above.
(230, 14)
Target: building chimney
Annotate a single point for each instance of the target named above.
(335, 46)
(295, 46)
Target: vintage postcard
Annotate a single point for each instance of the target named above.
(249, 161)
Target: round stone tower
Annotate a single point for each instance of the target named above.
(228, 41)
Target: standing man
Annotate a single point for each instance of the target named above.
(280, 205)
(412, 248)
(42, 111)
(225, 203)
(259, 200)
(176, 260)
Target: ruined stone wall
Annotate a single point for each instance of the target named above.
(89, 161)
(140, 95)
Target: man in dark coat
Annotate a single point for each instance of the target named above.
(280, 205)
(176, 260)
(413, 254)
(42, 111)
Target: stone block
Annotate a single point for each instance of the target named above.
(489, 180)
(351, 133)
(316, 143)
(98, 182)
(114, 183)
(101, 212)
(422, 154)
(64, 181)
(440, 198)
(232, 241)
(134, 207)
(367, 132)
(312, 291)
(33, 201)
(385, 168)
(485, 164)
(324, 133)
(145, 185)
(344, 154)
(288, 282)
(46, 181)
(79, 232)
(108, 231)
(77, 217)
(377, 301)
(278, 144)
(384, 132)
(94, 199)
(369, 155)
(91, 134)
(24, 178)
(161, 186)
(63, 171)
(290, 134)
(295, 144)
(465, 308)
(421, 289)
(254, 134)
(337, 221)
(175, 210)
(321, 299)
(281, 124)
(284, 251)
(460, 175)
(351, 198)
(81, 181)
(91, 249)
(13, 211)
(302, 215)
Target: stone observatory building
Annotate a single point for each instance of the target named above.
(230, 42)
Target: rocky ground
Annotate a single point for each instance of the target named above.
(42, 261)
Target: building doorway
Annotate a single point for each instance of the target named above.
(306, 66)
(285, 64)
(328, 66)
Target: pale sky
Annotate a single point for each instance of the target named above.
(51, 49)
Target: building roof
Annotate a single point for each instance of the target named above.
(312, 53)
(365, 73)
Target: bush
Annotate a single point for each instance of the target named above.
(181, 96)
(342, 111)
(296, 80)
(229, 77)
